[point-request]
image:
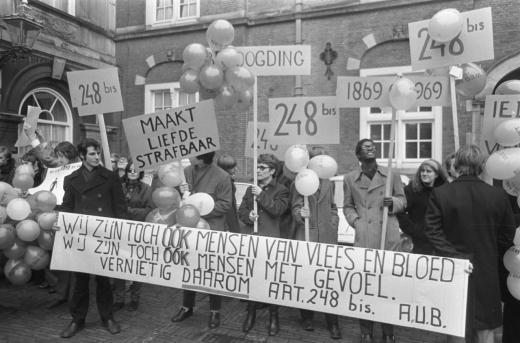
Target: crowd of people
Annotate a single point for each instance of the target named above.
(445, 210)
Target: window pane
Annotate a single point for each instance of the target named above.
(169, 13)
(193, 10)
(160, 14)
(425, 150)
(167, 98)
(158, 104)
(375, 110)
(411, 131)
(375, 132)
(426, 131)
(386, 151)
(386, 132)
(425, 109)
(159, 3)
(411, 150)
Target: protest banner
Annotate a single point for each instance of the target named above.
(474, 43)
(498, 108)
(31, 120)
(374, 91)
(313, 120)
(265, 146)
(420, 291)
(276, 59)
(172, 134)
(54, 180)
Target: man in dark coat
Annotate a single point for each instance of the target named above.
(472, 220)
(92, 190)
(204, 176)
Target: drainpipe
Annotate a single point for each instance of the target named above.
(298, 88)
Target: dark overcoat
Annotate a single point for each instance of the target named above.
(472, 220)
(101, 196)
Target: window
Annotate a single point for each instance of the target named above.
(160, 96)
(67, 6)
(55, 121)
(167, 12)
(418, 132)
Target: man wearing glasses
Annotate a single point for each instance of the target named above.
(273, 200)
(364, 190)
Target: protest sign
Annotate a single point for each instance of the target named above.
(276, 59)
(374, 91)
(498, 108)
(474, 43)
(172, 134)
(31, 120)
(54, 180)
(420, 291)
(264, 145)
(310, 120)
(95, 91)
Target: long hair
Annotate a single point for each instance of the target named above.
(441, 176)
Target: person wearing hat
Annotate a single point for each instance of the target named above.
(228, 163)
(429, 175)
(272, 201)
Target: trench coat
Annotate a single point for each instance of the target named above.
(216, 182)
(472, 220)
(363, 207)
(102, 196)
(272, 203)
(324, 220)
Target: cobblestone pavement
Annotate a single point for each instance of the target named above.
(24, 317)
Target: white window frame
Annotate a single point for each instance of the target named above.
(151, 7)
(435, 116)
(71, 6)
(149, 99)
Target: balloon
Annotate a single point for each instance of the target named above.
(45, 200)
(16, 250)
(27, 230)
(202, 201)
(228, 58)
(23, 181)
(194, 55)
(10, 264)
(18, 209)
(516, 240)
(46, 220)
(502, 164)
(244, 99)
(296, 158)
(288, 173)
(473, 80)
(25, 169)
(46, 240)
(307, 182)
(507, 133)
(19, 274)
(220, 34)
(403, 94)
(166, 198)
(512, 260)
(7, 236)
(226, 98)
(211, 76)
(3, 215)
(513, 285)
(170, 175)
(205, 93)
(512, 185)
(203, 224)
(324, 166)
(187, 215)
(189, 81)
(508, 87)
(445, 25)
(7, 193)
(240, 78)
(36, 257)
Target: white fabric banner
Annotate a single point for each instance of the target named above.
(54, 180)
(420, 291)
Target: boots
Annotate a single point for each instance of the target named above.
(249, 322)
(274, 324)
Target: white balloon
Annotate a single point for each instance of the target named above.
(296, 158)
(324, 166)
(516, 240)
(513, 285)
(202, 201)
(507, 133)
(512, 185)
(307, 182)
(445, 25)
(504, 164)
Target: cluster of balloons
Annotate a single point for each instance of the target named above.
(309, 171)
(512, 264)
(26, 221)
(216, 71)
